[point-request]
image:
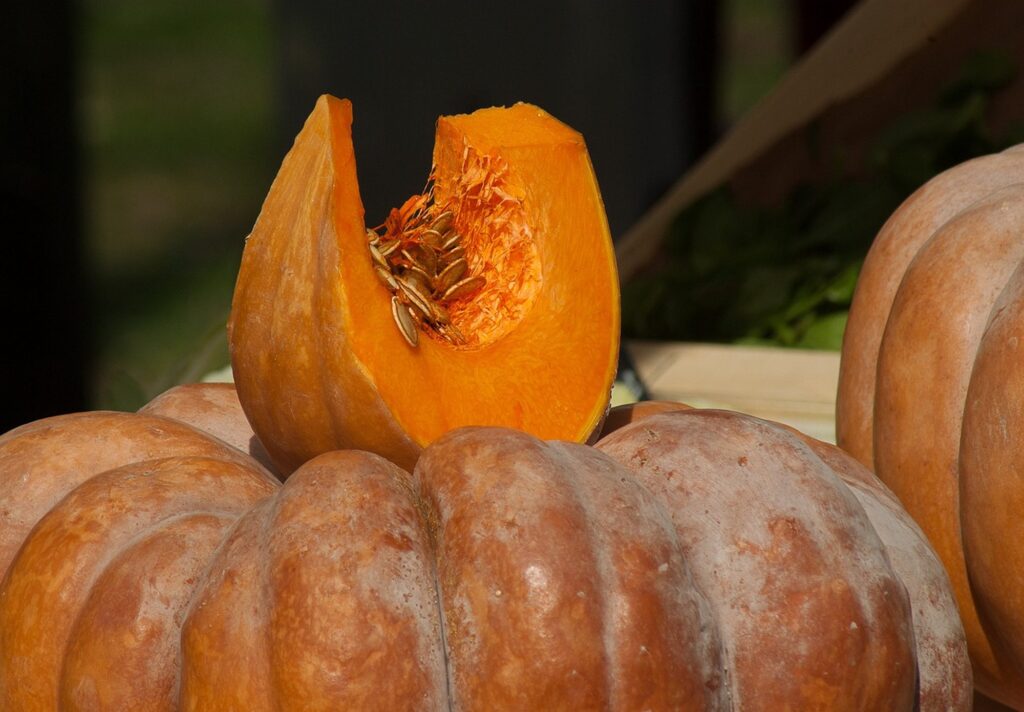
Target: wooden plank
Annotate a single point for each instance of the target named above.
(792, 386)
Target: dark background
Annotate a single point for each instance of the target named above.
(140, 139)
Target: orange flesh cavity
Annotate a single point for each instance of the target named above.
(495, 236)
(542, 334)
(499, 247)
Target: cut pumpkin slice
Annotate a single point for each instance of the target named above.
(489, 299)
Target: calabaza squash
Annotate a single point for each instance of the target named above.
(696, 560)
(489, 299)
(931, 390)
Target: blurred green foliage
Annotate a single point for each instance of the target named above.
(757, 48)
(785, 276)
(177, 121)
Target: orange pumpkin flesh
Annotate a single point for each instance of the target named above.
(318, 360)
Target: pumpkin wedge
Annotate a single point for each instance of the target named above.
(489, 299)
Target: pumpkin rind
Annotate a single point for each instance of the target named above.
(944, 677)
(327, 590)
(503, 572)
(122, 651)
(213, 408)
(924, 368)
(750, 501)
(990, 473)
(528, 624)
(945, 680)
(911, 359)
(70, 548)
(893, 249)
(317, 360)
(42, 461)
(562, 583)
(622, 415)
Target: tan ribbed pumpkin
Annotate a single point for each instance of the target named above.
(931, 391)
(692, 560)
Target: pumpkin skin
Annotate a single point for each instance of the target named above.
(528, 624)
(505, 572)
(213, 408)
(50, 457)
(680, 454)
(928, 357)
(317, 360)
(622, 415)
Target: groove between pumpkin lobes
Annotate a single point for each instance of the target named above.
(566, 582)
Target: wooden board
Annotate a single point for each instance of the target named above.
(792, 386)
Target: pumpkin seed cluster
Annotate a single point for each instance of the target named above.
(421, 259)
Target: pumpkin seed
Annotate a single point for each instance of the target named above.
(386, 277)
(432, 238)
(442, 222)
(386, 248)
(451, 274)
(415, 297)
(451, 242)
(421, 256)
(403, 319)
(419, 278)
(464, 288)
(457, 254)
(379, 258)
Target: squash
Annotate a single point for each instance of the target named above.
(490, 299)
(691, 560)
(622, 415)
(44, 460)
(658, 449)
(213, 408)
(930, 391)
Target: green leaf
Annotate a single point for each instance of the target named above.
(825, 333)
(734, 272)
(840, 289)
(988, 71)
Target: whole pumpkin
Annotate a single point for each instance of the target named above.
(931, 391)
(691, 560)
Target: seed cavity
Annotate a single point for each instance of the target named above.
(420, 258)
